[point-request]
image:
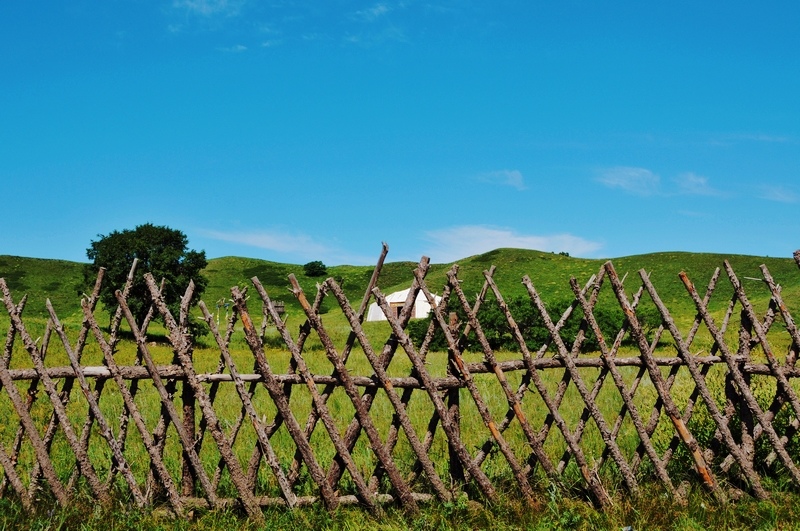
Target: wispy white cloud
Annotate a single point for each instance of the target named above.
(512, 178)
(772, 139)
(455, 243)
(637, 181)
(732, 139)
(208, 8)
(644, 182)
(781, 194)
(692, 184)
(376, 36)
(314, 36)
(761, 137)
(273, 240)
(239, 48)
(374, 12)
(373, 26)
(288, 246)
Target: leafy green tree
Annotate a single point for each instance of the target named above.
(161, 251)
(315, 269)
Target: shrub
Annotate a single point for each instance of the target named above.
(530, 322)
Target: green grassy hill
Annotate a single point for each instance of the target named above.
(59, 280)
(62, 281)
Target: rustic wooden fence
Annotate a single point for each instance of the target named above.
(291, 434)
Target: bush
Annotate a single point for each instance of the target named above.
(494, 324)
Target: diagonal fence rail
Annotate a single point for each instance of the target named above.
(381, 414)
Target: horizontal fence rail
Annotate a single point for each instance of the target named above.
(332, 417)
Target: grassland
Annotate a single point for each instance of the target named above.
(550, 274)
(62, 281)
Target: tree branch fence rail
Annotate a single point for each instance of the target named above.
(277, 435)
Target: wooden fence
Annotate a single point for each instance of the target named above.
(309, 425)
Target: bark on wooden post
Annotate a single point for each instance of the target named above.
(275, 391)
(156, 461)
(453, 438)
(746, 416)
(454, 405)
(187, 395)
(657, 380)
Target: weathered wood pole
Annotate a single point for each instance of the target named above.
(454, 407)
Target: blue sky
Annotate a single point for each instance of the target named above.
(298, 130)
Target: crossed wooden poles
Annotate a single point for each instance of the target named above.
(199, 486)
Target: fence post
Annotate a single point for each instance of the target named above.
(746, 416)
(189, 476)
(188, 400)
(187, 396)
(453, 405)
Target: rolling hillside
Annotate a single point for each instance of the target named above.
(62, 281)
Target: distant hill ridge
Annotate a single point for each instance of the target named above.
(62, 281)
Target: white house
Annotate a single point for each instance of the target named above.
(396, 301)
